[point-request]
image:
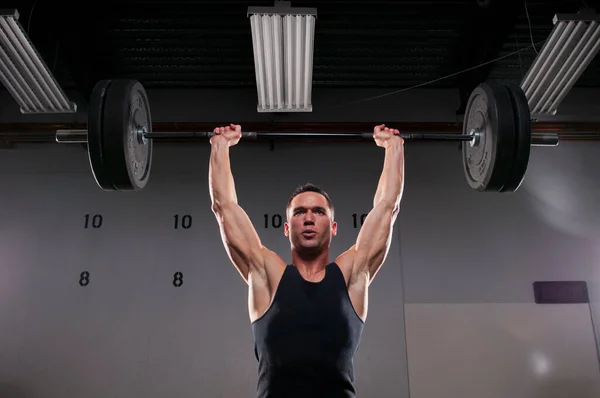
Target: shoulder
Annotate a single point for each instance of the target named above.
(272, 261)
(274, 266)
(349, 264)
(345, 262)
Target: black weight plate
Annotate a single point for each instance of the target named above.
(94, 136)
(128, 153)
(487, 161)
(522, 118)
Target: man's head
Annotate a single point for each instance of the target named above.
(310, 215)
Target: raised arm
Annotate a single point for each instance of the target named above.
(239, 235)
(374, 238)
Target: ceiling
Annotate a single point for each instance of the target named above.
(383, 44)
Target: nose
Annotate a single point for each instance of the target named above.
(309, 218)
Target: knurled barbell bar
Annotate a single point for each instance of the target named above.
(496, 139)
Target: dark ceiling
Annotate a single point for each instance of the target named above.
(384, 44)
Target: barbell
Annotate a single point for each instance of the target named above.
(496, 139)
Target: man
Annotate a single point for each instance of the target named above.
(307, 317)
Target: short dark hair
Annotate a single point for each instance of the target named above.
(308, 187)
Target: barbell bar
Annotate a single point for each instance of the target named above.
(73, 136)
(496, 137)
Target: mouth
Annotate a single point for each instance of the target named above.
(309, 233)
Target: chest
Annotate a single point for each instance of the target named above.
(312, 308)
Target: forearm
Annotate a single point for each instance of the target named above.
(220, 178)
(391, 181)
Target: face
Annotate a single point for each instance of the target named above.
(310, 226)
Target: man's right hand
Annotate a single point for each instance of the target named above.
(382, 135)
(231, 134)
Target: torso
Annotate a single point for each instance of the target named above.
(262, 288)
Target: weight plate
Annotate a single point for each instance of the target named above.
(94, 137)
(126, 116)
(522, 118)
(488, 158)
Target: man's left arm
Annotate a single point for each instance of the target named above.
(372, 245)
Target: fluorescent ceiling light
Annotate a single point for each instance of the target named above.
(572, 44)
(25, 74)
(283, 44)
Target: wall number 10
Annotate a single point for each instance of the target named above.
(276, 221)
(184, 221)
(356, 219)
(95, 221)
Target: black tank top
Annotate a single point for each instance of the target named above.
(306, 341)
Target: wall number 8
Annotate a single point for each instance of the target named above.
(177, 279)
(84, 278)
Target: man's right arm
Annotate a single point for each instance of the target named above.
(240, 238)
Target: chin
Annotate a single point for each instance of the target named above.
(303, 245)
(314, 248)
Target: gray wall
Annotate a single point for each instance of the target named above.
(451, 311)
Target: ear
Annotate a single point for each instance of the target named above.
(286, 229)
(334, 228)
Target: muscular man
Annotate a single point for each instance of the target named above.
(307, 317)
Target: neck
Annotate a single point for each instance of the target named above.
(310, 263)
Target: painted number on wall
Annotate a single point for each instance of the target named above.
(357, 220)
(94, 221)
(184, 221)
(275, 221)
(84, 279)
(177, 279)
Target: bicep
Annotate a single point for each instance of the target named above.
(240, 239)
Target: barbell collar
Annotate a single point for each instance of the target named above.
(80, 136)
(544, 139)
(71, 136)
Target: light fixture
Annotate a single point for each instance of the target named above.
(25, 74)
(572, 44)
(283, 44)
